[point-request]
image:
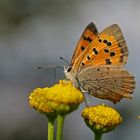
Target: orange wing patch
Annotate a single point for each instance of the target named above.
(109, 48)
(89, 34)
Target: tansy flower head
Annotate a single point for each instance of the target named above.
(38, 101)
(101, 118)
(60, 98)
(64, 97)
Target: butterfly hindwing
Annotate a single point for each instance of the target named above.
(87, 37)
(109, 82)
(108, 48)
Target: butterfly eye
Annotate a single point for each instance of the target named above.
(69, 69)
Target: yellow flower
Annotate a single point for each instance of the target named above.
(62, 97)
(38, 101)
(101, 118)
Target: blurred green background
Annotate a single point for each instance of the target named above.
(38, 32)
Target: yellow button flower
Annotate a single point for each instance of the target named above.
(65, 92)
(38, 101)
(62, 97)
(101, 118)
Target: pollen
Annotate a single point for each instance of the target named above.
(101, 118)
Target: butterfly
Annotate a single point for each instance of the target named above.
(97, 64)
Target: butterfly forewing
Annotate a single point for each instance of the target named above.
(108, 48)
(89, 34)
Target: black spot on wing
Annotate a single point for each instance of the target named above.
(87, 38)
(83, 64)
(82, 48)
(109, 43)
(88, 57)
(108, 62)
(95, 51)
(84, 37)
(112, 54)
(106, 50)
(105, 41)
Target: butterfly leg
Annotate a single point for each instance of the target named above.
(84, 92)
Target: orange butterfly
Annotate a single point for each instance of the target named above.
(96, 65)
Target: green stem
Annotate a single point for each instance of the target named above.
(60, 122)
(50, 128)
(97, 136)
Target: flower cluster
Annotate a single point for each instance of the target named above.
(61, 99)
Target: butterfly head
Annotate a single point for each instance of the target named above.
(70, 75)
(68, 72)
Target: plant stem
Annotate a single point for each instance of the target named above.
(97, 136)
(60, 122)
(50, 128)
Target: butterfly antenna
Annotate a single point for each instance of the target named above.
(53, 66)
(64, 60)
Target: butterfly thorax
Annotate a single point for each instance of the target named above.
(70, 75)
